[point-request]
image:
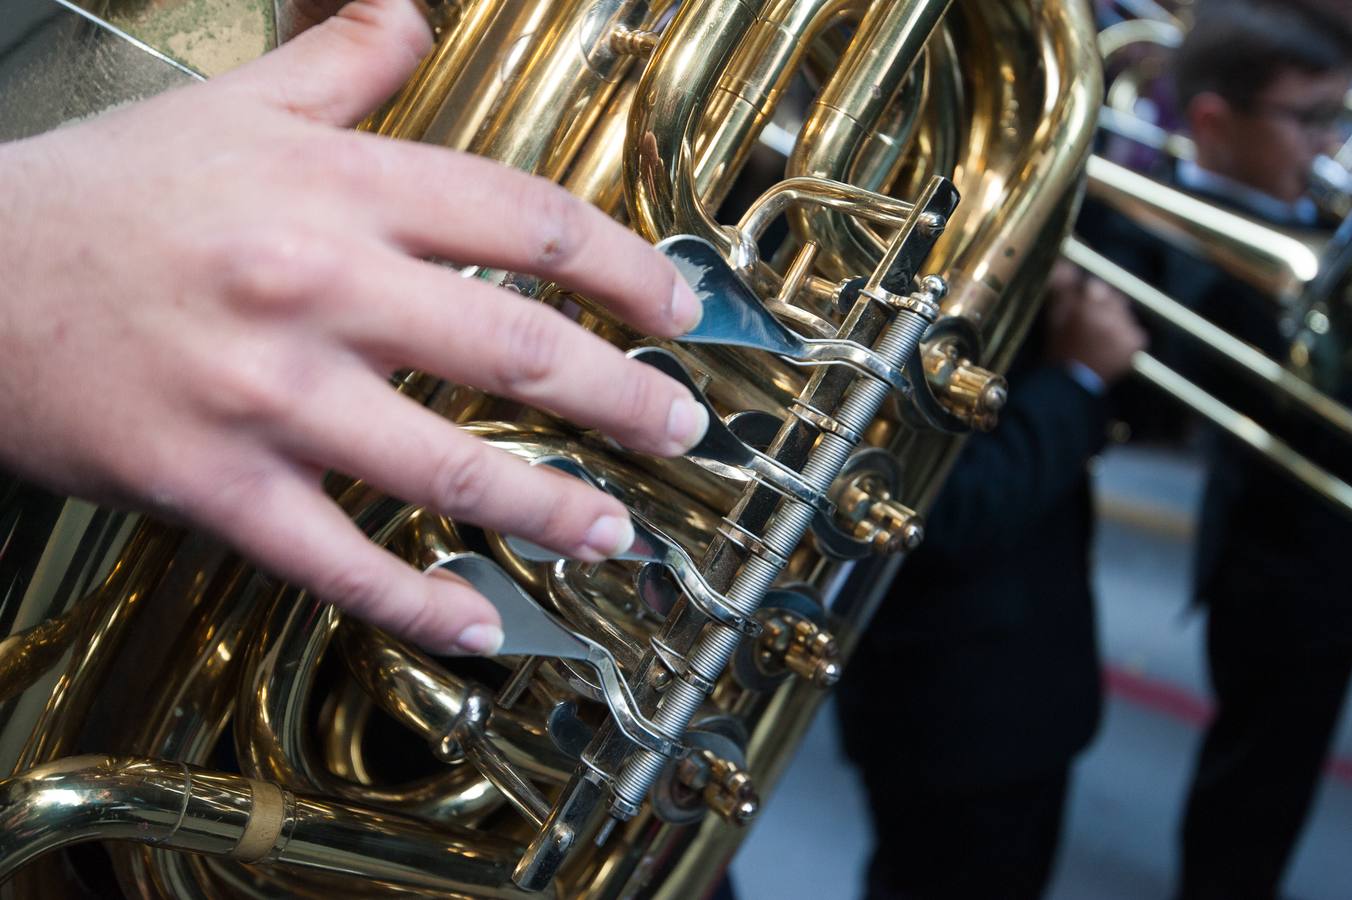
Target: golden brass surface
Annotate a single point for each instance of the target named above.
(650, 110)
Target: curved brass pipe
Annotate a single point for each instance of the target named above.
(1121, 35)
(417, 692)
(659, 165)
(182, 807)
(849, 110)
(752, 85)
(271, 723)
(1015, 173)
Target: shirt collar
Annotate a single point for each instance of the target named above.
(1303, 212)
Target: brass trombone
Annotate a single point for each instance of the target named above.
(1292, 271)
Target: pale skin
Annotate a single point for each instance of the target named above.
(204, 295)
(1269, 147)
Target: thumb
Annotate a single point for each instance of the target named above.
(343, 68)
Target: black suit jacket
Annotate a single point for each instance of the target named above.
(981, 668)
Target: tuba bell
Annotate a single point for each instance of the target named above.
(175, 723)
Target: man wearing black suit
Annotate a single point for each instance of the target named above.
(1261, 84)
(986, 646)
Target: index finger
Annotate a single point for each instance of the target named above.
(456, 206)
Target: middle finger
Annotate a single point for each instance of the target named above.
(425, 316)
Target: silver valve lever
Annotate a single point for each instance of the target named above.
(531, 631)
(733, 314)
(650, 545)
(723, 448)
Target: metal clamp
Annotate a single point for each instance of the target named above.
(751, 543)
(822, 422)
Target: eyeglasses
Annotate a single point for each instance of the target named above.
(1321, 118)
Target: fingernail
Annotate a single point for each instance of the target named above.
(481, 640)
(685, 309)
(609, 536)
(687, 421)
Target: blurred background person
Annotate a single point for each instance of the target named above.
(987, 642)
(1261, 86)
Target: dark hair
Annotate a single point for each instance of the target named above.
(1236, 48)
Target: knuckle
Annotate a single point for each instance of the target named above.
(350, 164)
(556, 226)
(246, 389)
(531, 345)
(421, 617)
(639, 398)
(227, 496)
(355, 587)
(459, 482)
(277, 270)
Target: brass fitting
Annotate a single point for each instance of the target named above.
(791, 642)
(869, 510)
(725, 786)
(971, 393)
(632, 42)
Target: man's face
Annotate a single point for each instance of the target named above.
(1272, 145)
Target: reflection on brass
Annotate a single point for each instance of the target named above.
(510, 775)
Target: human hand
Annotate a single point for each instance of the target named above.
(205, 293)
(1090, 323)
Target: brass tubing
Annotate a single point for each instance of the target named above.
(1252, 362)
(428, 699)
(419, 103)
(272, 735)
(1154, 32)
(752, 85)
(1268, 259)
(93, 575)
(487, 63)
(824, 193)
(1022, 199)
(852, 104)
(883, 152)
(592, 175)
(1273, 449)
(1134, 128)
(659, 162)
(568, 75)
(183, 807)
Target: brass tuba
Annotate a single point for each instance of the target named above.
(220, 734)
